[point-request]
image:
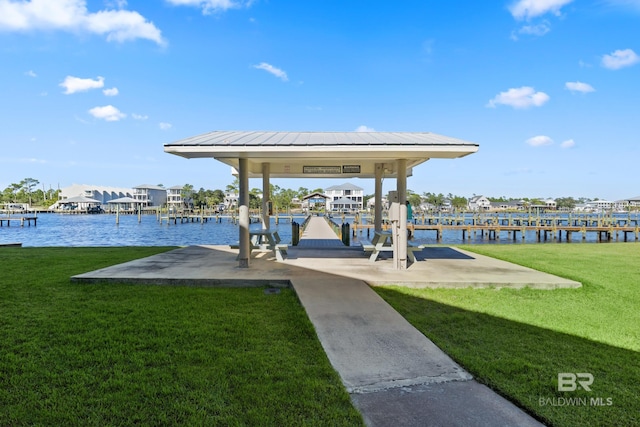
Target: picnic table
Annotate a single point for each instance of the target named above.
(266, 241)
(383, 242)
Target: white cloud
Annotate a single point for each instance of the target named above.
(538, 30)
(527, 9)
(579, 87)
(569, 143)
(539, 141)
(165, 126)
(522, 97)
(272, 70)
(211, 6)
(111, 92)
(30, 73)
(620, 59)
(627, 4)
(108, 113)
(73, 16)
(76, 84)
(139, 116)
(363, 128)
(116, 4)
(32, 160)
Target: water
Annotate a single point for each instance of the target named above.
(102, 230)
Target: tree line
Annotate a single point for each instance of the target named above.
(27, 191)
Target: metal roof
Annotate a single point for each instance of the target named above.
(321, 154)
(345, 186)
(306, 139)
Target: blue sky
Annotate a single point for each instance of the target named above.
(549, 89)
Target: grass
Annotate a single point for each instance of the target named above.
(120, 354)
(518, 341)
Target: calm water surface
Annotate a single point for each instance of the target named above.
(102, 230)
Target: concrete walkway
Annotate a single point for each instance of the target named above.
(395, 375)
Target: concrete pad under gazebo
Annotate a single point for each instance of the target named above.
(343, 155)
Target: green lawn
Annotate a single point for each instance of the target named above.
(103, 355)
(518, 341)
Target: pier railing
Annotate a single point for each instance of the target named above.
(545, 226)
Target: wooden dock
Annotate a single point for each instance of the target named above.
(547, 227)
(21, 219)
(203, 217)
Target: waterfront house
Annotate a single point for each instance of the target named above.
(150, 195)
(175, 199)
(479, 203)
(550, 204)
(230, 199)
(345, 196)
(499, 206)
(99, 193)
(371, 203)
(426, 207)
(632, 203)
(597, 206)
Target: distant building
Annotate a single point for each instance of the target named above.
(479, 203)
(314, 200)
(150, 195)
(230, 199)
(97, 192)
(345, 196)
(426, 207)
(175, 199)
(603, 206)
(600, 206)
(499, 206)
(371, 203)
(632, 203)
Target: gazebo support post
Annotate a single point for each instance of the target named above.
(377, 213)
(266, 219)
(400, 251)
(243, 213)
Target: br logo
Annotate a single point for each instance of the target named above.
(568, 381)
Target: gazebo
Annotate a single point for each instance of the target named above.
(344, 155)
(124, 203)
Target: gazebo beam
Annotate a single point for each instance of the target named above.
(266, 196)
(400, 251)
(377, 209)
(243, 214)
